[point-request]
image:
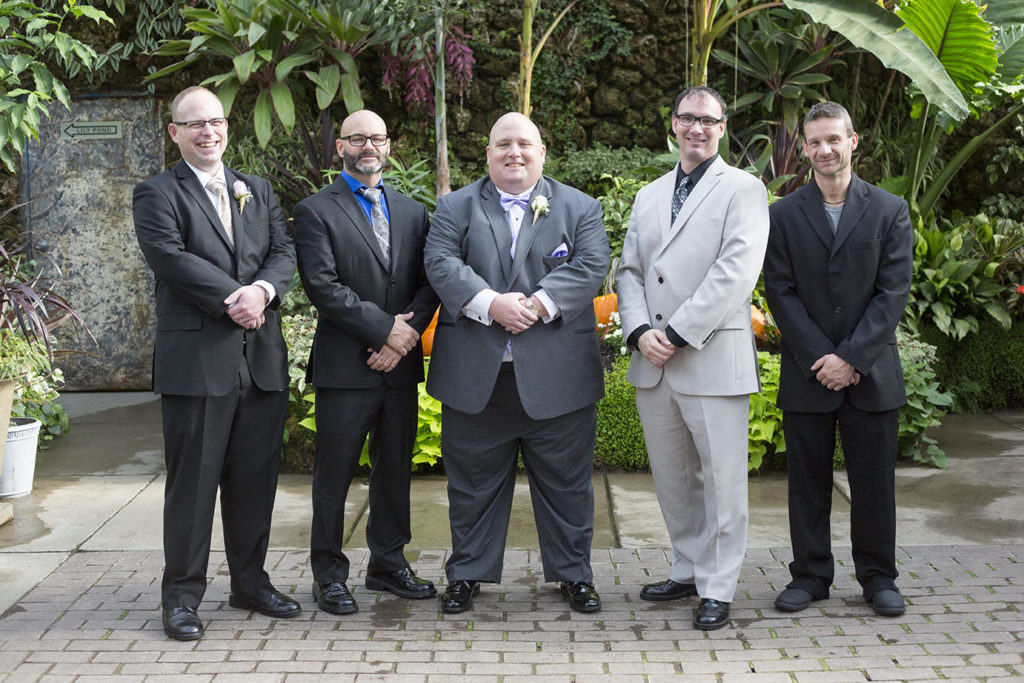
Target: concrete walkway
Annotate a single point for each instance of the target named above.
(80, 570)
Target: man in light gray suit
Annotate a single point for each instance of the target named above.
(516, 259)
(690, 260)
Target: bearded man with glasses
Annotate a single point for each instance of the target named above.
(690, 259)
(360, 248)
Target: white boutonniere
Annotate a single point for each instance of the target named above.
(540, 207)
(242, 194)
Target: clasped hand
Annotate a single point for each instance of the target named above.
(655, 346)
(835, 373)
(509, 310)
(245, 306)
(401, 340)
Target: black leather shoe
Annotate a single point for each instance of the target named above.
(458, 596)
(182, 623)
(582, 596)
(402, 582)
(794, 599)
(272, 603)
(888, 603)
(711, 614)
(334, 597)
(667, 590)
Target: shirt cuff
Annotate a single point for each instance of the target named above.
(674, 337)
(268, 288)
(479, 306)
(549, 305)
(635, 335)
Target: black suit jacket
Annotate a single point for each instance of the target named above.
(356, 295)
(199, 349)
(842, 294)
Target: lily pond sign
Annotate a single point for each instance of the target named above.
(91, 130)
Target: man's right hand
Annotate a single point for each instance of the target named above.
(656, 347)
(509, 311)
(403, 337)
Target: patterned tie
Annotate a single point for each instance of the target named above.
(380, 222)
(682, 192)
(216, 185)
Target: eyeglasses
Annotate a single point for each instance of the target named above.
(688, 120)
(218, 123)
(358, 140)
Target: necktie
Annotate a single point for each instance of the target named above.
(682, 192)
(381, 230)
(520, 200)
(515, 218)
(216, 185)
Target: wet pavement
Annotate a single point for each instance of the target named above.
(80, 569)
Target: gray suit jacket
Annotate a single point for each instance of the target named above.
(696, 274)
(557, 365)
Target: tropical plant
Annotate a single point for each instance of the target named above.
(528, 52)
(926, 402)
(32, 42)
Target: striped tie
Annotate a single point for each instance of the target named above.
(380, 222)
(216, 185)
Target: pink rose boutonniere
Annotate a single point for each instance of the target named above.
(242, 194)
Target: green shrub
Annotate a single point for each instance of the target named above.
(926, 403)
(983, 371)
(590, 169)
(765, 438)
(620, 436)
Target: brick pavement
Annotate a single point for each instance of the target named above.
(97, 616)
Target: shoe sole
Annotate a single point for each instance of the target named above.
(792, 606)
(185, 637)
(665, 598)
(711, 627)
(330, 609)
(889, 612)
(239, 603)
(465, 607)
(381, 586)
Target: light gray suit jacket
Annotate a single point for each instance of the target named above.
(696, 275)
(557, 364)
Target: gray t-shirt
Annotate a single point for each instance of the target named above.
(833, 213)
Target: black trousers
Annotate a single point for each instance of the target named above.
(233, 443)
(344, 417)
(869, 443)
(480, 458)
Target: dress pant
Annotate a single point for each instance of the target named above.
(869, 444)
(344, 417)
(232, 442)
(480, 458)
(697, 447)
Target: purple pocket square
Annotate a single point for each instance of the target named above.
(560, 251)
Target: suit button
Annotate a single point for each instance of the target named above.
(393, 283)
(657, 316)
(839, 309)
(661, 280)
(243, 281)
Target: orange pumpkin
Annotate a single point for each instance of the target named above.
(428, 334)
(758, 322)
(604, 306)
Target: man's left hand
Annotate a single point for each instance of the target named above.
(384, 360)
(834, 372)
(245, 306)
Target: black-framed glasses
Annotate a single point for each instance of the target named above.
(219, 122)
(706, 121)
(358, 139)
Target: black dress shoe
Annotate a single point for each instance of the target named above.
(582, 596)
(667, 590)
(794, 599)
(271, 603)
(402, 582)
(711, 614)
(182, 623)
(888, 603)
(458, 596)
(334, 597)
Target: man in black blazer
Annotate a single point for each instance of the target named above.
(837, 276)
(218, 246)
(360, 249)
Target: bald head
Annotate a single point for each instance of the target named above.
(365, 161)
(515, 153)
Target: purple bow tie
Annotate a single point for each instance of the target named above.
(508, 202)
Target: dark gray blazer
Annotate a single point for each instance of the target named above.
(356, 295)
(557, 365)
(841, 294)
(199, 349)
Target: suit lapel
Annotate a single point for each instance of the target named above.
(398, 224)
(856, 203)
(696, 197)
(528, 229)
(346, 200)
(237, 220)
(813, 209)
(191, 184)
(499, 226)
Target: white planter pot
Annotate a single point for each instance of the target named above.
(19, 466)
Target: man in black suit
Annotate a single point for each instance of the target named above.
(360, 249)
(837, 276)
(221, 265)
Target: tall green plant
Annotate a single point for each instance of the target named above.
(528, 52)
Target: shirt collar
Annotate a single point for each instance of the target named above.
(205, 177)
(354, 184)
(696, 174)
